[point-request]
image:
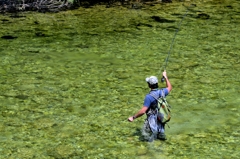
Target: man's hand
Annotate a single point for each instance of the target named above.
(164, 74)
(130, 119)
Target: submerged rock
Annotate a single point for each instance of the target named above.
(9, 37)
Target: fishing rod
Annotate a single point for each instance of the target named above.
(171, 46)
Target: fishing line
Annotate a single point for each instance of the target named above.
(171, 46)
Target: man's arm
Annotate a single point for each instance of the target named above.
(140, 113)
(168, 84)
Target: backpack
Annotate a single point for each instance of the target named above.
(164, 109)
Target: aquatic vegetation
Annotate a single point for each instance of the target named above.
(70, 80)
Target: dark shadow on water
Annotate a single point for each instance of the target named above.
(8, 37)
(162, 20)
(138, 132)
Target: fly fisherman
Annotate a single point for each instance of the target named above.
(152, 124)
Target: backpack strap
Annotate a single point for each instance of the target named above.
(163, 94)
(153, 95)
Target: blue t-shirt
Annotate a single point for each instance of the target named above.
(150, 100)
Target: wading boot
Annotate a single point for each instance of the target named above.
(161, 136)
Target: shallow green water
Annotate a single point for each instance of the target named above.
(70, 80)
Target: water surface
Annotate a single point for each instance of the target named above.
(70, 80)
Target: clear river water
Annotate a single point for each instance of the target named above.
(70, 80)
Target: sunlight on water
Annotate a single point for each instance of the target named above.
(70, 80)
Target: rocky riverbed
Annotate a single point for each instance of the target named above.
(70, 80)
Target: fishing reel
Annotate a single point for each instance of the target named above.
(163, 79)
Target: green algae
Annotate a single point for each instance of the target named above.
(70, 80)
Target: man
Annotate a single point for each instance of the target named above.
(150, 102)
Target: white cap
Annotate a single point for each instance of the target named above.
(152, 80)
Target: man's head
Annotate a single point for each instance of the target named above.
(152, 82)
